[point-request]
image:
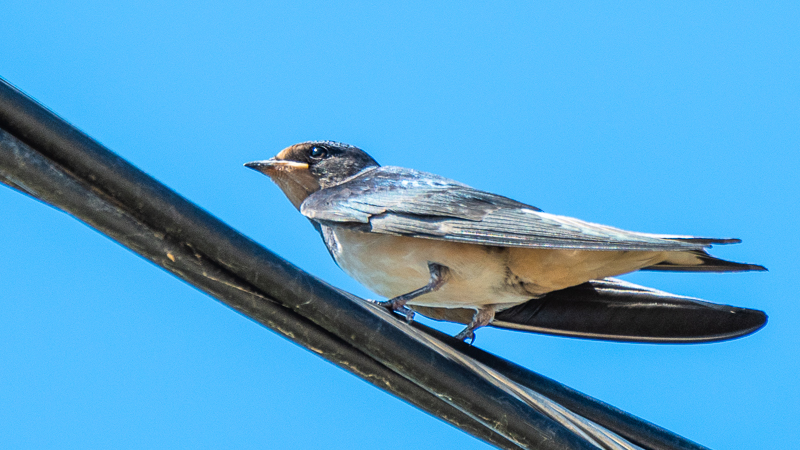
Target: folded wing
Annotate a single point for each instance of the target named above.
(407, 202)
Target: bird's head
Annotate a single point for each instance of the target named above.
(302, 169)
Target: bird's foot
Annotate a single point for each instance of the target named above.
(465, 334)
(394, 305)
(439, 275)
(482, 317)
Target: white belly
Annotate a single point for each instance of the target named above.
(394, 265)
(479, 275)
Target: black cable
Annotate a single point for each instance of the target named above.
(45, 181)
(46, 157)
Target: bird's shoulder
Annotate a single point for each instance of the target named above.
(379, 190)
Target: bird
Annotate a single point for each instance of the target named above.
(435, 246)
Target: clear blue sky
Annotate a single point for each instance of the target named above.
(679, 118)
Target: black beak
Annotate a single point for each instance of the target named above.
(273, 164)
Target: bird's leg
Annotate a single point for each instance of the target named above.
(482, 317)
(439, 276)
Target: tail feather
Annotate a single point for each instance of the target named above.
(700, 261)
(615, 310)
(695, 239)
(704, 241)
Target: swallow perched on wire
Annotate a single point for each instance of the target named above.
(456, 253)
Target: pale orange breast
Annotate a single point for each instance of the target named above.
(480, 275)
(395, 265)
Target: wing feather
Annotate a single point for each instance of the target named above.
(406, 202)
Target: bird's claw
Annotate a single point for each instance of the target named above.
(396, 307)
(465, 334)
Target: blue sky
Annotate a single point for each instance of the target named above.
(674, 118)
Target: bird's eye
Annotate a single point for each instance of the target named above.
(318, 152)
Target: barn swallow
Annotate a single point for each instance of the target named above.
(452, 252)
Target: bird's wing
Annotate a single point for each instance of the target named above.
(406, 202)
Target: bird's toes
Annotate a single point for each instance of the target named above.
(466, 333)
(394, 306)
